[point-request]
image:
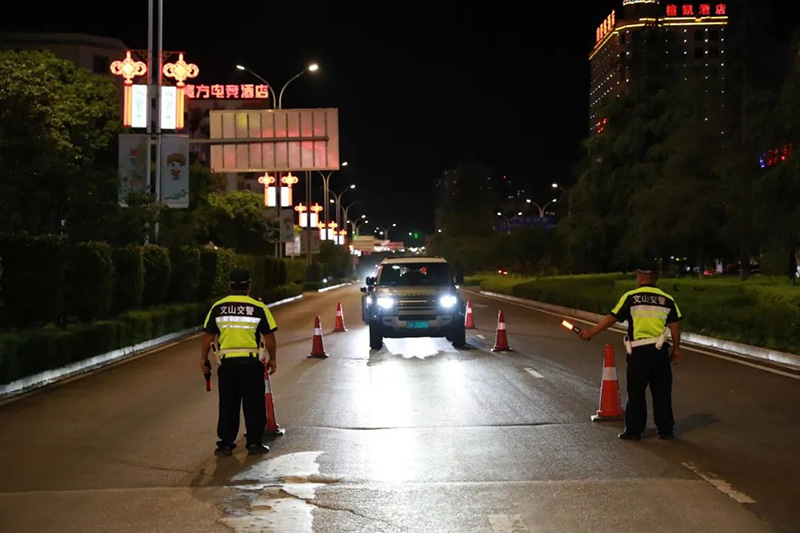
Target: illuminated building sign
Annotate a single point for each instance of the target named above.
(778, 155)
(244, 91)
(692, 10)
(607, 26)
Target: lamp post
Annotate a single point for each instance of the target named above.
(385, 231)
(313, 67)
(357, 227)
(338, 202)
(542, 209)
(345, 211)
(563, 192)
(265, 82)
(326, 187)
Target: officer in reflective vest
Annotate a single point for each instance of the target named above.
(246, 332)
(650, 312)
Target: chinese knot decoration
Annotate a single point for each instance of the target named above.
(180, 71)
(128, 68)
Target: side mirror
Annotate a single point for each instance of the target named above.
(371, 281)
(459, 279)
(364, 289)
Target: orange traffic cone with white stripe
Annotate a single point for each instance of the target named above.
(501, 338)
(272, 429)
(610, 408)
(339, 319)
(317, 349)
(469, 321)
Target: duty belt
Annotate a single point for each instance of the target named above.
(657, 341)
(240, 352)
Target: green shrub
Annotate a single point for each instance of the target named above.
(296, 270)
(55, 347)
(185, 263)
(283, 292)
(215, 267)
(315, 272)
(157, 271)
(33, 279)
(128, 278)
(90, 281)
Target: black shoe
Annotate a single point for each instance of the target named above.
(223, 451)
(257, 449)
(630, 436)
(666, 436)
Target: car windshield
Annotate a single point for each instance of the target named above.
(414, 274)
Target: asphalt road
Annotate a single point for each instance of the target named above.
(417, 436)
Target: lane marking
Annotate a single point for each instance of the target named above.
(720, 484)
(504, 523)
(481, 337)
(620, 330)
(534, 373)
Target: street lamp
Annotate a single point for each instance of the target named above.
(563, 191)
(385, 231)
(542, 209)
(313, 67)
(357, 226)
(326, 187)
(339, 200)
(265, 82)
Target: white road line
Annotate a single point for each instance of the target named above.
(534, 373)
(683, 347)
(481, 337)
(721, 485)
(503, 523)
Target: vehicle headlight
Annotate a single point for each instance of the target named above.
(448, 301)
(370, 300)
(385, 302)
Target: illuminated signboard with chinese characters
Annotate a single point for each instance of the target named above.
(607, 26)
(243, 91)
(693, 10)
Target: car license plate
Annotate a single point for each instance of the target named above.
(417, 324)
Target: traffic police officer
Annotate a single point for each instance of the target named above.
(649, 312)
(243, 325)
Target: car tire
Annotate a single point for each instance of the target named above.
(458, 337)
(375, 337)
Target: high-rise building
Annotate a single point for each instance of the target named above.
(699, 27)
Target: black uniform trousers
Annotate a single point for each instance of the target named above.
(648, 365)
(241, 381)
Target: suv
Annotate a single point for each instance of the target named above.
(413, 297)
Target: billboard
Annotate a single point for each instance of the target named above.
(274, 140)
(133, 159)
(175, 171)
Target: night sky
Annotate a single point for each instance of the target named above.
(418, 85)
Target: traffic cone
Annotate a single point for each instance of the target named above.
(469, 322)
(316, 347)
(610, 408)
(339, 319)
(501, 339)
(272, 429)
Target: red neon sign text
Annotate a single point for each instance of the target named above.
(703, 10)
(227, 92)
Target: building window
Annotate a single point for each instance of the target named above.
(699, 52)
(699, 35)
(713, 35)
(100, 65)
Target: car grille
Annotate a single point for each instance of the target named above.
(421, 303)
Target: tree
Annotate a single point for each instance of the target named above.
(235, 220)
(58, 126)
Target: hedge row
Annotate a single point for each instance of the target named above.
(761, 312)
(28, 352)
(50, 281)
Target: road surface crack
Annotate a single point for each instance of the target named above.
(157, 468)
(328, 507)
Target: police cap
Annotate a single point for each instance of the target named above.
(647, 267)
(240, 279)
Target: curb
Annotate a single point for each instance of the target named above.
(49, 377)
(754, 353)
(339, 286)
